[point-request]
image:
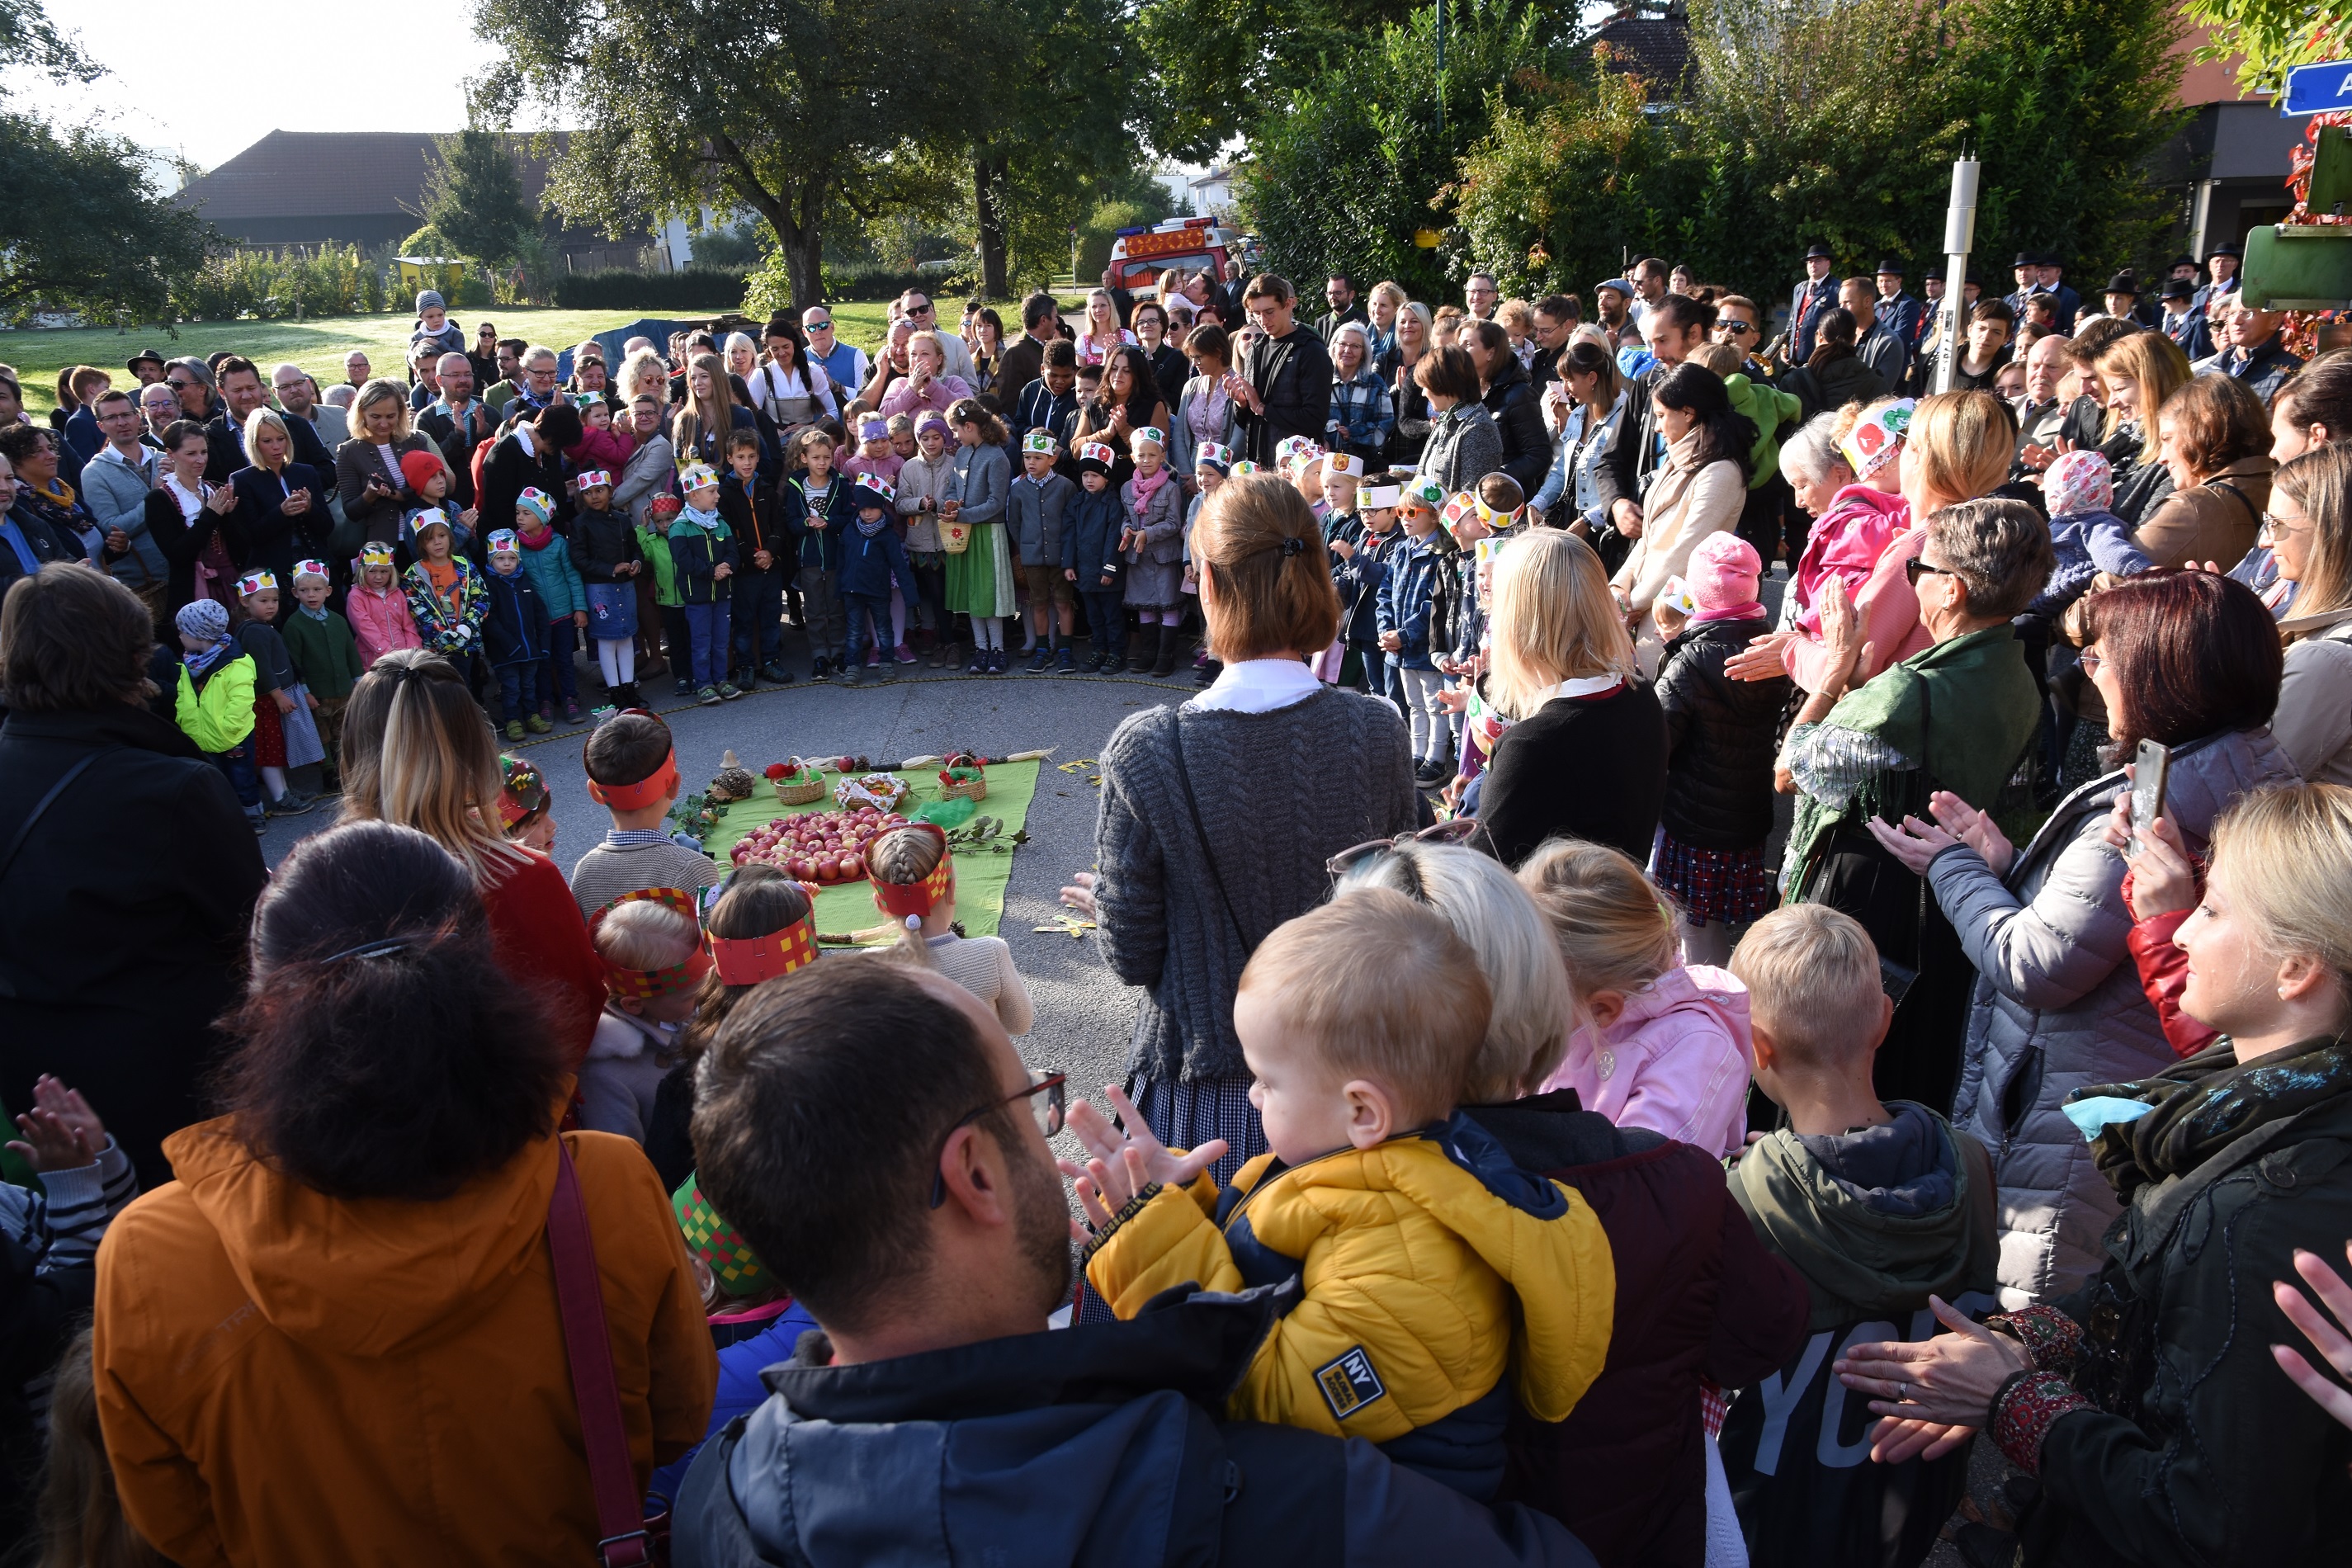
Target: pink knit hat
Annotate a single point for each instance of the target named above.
(1722, 577)
(2078, 481)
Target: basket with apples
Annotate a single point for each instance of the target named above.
(825, 848)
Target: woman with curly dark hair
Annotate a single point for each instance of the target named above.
(335, 1336)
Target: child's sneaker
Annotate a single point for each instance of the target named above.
(514, 729)
(709, 697)
(598, 715)
(257, 818)
(537, 724)
(1040, 659)
(1094, 664)
(547, 709)
(293, 802)
(1065, 662)
(572, 714)
(685, 686)
(1432, 774)
(903, 653)
(979, 664)
(729, 691)
(774, 673)
(852, 673)
(873, 656)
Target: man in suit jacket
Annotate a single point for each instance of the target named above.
(1024, 356)
(1339, 293)
(1878, 347)
(458, 421)
(2183, 322)
(241, 393)
(1898, 312)
(298, 398)
(1282, 385)
(1813, 299)
(2053, 283)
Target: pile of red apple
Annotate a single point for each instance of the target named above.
(821, 847)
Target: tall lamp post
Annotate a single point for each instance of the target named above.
(1959, 239)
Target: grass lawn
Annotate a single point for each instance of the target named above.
(318, 346)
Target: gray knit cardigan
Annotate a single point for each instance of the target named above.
(1279, 793)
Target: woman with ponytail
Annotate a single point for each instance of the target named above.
(335, 1337)
(417, 749)
(914, 884)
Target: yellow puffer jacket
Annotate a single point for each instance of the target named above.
(1430, 1265)
(220, 715)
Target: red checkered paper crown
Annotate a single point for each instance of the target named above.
(748, 960)
(913, 900)
(643, 984)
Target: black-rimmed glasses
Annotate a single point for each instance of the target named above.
(1452, 832)
(1049, 1112)
(1915, 569)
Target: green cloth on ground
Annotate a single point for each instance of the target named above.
(980, 878)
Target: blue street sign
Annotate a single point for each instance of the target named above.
(2317, 89)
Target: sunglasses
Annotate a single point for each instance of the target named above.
(1049, 1112)
(180, 385)
(816, 326)
(1915, 569)
(1452, 832)
(1741, 328)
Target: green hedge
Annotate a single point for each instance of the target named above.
(689, 289)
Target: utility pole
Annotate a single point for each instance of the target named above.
(1959, 239)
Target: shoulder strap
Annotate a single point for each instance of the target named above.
(40, 807)
(2243, 499)
(1207, 845)
(588, 1346)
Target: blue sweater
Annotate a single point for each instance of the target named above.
(1090, 540)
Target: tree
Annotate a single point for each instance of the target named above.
(474, 197)
(83, 226)
(807, 112)
(28, 38)
(2270, 36)
(1220, 67)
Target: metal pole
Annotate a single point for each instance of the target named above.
(1960, 238)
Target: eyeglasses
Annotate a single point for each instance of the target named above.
(1741, 328)
(181, 385)
(1452, 832)
(2090, 661)
(1048, 1112)
(1915, 569)
(2274, 526)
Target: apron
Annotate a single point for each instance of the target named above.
(303, 746)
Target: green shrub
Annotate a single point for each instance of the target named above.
(769, 289)
(336, 280)
(700, 288)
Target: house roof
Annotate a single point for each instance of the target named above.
(332, 173)
(1655, 49)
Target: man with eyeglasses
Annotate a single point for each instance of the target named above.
(1738, 323)
(920, 1417)
(241, 394)
(1556, 316)
(458, 421)
(1479, 296)
(846, 364)
(298, 398)
(159, 407)
(916, 305)
(191, 380)
(357, 372)
(114, 486)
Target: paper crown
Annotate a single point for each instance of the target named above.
(876, 487)
(664, 507)
(373, 553)
(1215, 455)
(1295, 447)
(256, 583)
(1678, 597)
(503, 542)
(1498, 520)
(1462, 506)
(1870, 445)
(1148, 433)
(1342, 465)
(1377, 496)
(642, 794)
(1426, 489)
(596, 480)
(535, 501)
(1096, 452)
(309, 569)
(523, 795)
(1040, 440)
(696, 477)
(732, 1263)
(914, 899)
(643, 985)
(748, 960)
(1244, 468)
(423, 518)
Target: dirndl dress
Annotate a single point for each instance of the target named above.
(300, 729)
(980, 577)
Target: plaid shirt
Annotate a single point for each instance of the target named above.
(1362, 405)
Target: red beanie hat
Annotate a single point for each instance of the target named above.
(418, 466)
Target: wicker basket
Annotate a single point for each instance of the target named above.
(811, 788)
(973, 789)
(955, 538)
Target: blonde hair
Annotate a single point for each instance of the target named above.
(1392, 291)
(1552, 620)
(643, 934)
(2154, 363)
(1961, 443)
(1515, 316)
(2284, 854)
(1615, 931)
(643, 375)
(1533, 1009)
(938, 349)
(903, 857)
(1720, 358)
(82, 1524)
(1271, 599)
(1420, 312)
(1378, 986)
(2320, 481)
(1812, 974)
(755, 900)
(428, 763)
(375, 392)
(258, 421)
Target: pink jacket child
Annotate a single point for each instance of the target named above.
(1845, 543)
(1676, 1060)
(602, 449)
(1861, 542)
(380, 622)
(874, 431)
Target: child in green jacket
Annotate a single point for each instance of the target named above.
(326, 656)
(214, 704)
(653, 542)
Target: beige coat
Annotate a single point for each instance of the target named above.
(2215, 521)
(1684, 504)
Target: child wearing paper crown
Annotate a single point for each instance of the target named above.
(326, 657)
(1360, 551)
(1862, 519)
(702, 558)
(514, 636)
(914, 884)
(445, 592)
(1038, 510)
(632, 768)
(651, 942)
(381, 620)
(872, 559)
(283, 734)
(607, 558)
(1343, 473)
(213, 702)
(922, 486)
(1720, 737)
(526, 806)
(1212, 462)
(1152, 539)
(1091, 558)
(1410, 629)
(562, 597)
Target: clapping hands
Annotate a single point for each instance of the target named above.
(1121, 1164)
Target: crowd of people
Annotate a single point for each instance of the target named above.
(1730, 916)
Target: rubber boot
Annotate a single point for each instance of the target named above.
(1171, 646)
(1146, 651)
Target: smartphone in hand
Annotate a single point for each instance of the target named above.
(2149, 767)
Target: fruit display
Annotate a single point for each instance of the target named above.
(796, 782)
(825, 848)
(879, 790)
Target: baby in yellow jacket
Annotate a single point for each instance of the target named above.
(1426, 1265)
